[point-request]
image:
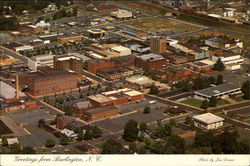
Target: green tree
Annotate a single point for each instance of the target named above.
(88, 134)
(213, 101)
(172, 122)
(133, 148)
(131, 131)
(219, 65)
(97, 132)
(143, 126)
(41, 122)
(64, 141)
(204, 104)
(175, 145)
(68, 111)
(146, 110)
(50, 143)
(154, 90)
(111, 147)
(29, 150)
(219, 79)
(245, 88)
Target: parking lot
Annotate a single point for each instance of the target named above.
(30, 116)
(241, 114)
(133, 111)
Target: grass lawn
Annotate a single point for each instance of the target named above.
(162, 24)
(192, 102)
(221, 102)
(212, 23)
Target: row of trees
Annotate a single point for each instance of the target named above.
(63, 13)
(10, 23)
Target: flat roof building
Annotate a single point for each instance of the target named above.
(150, 61)
(139, 82)
(208, 121)
(220, 91)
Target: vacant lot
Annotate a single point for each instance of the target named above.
(193, 102)
(162, 24)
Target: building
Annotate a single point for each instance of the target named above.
(48, 81)
(63, 121)
(173, 74)
(40, 60)
(220, 91)
(17, 47)
(115, 73)
(97, 33)
(221, 43)
(122, 14)
(203, 65)
(117, 97)
(82, 106)
(122, 51)
(94, 65)
(158, 45)
(175, 110)
(72, 39)
(134, 32)
(69, 133)
(70, 63)
(231, 61)
(139, 82)
(208, 121)
(150, 61)
(101, 112)
(12, 141)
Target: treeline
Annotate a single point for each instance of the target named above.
(10, 23)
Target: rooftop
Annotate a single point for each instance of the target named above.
(212, 91)
(150, 57)
(100, 109)
(99, 98)
(141, 80)
(208, 118)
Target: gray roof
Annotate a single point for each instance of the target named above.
(213, 91)
(151, 56)
(100, 109)
(83, 104)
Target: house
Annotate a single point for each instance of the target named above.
(63, 121)
(220, 91)
(69, 133)
(208, 121)
(12, 141)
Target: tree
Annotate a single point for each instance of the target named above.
(68, 111)
(131, 131)
(96, 132)
(50, 143)
(172, 122)
(203, 139)
(201, 83)
(64, 141)
(204, 104)
(41, 122)
(133, 147)
(219, 65)
(175, 145)
(154, 90)
(213, 101)
(29, 150)
(219, 79)
(111, 147)
(146, 110)
(163, 131)
(75, 11)
(143, 126)
(88, 134)
(245, 88)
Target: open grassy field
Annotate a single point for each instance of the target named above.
(162, 24)
(215, 24)
(146, 7)
(192, 102)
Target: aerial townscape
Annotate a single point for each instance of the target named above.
(125, 77)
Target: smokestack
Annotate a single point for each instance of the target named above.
(17, 87)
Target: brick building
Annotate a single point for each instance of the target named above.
(150, 61)
(94, 65)
(101, 112)
(64, 40)
(118, 97)
(47, 80)
(63, 121)
(115, 73)
(68, 63)
(158, 45)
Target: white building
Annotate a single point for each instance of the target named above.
(220, 91)
(229, 12)
(217, 42)
(8, 92)
(40, 60)
(231, 62)
(208, 121)
(123, 51)
(69, 133)
(122, 14)
(12, 141)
